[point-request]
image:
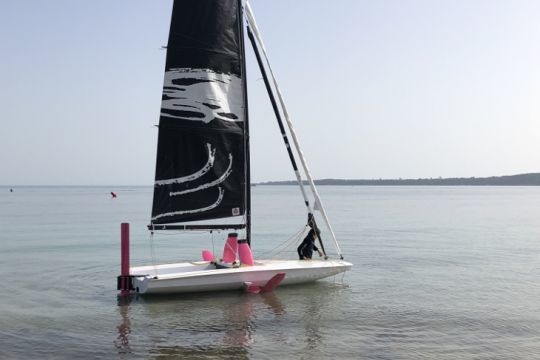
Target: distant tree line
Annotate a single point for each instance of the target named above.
(532, 179)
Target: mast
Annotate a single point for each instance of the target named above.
(281, 127)
(246, 122)
(253, 24)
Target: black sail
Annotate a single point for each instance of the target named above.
(201, 157)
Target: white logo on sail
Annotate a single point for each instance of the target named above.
(207, 185)
(196, 175)
(194, 211)
(202, 95)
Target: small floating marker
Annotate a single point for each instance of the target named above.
(113, 194)
(11, 190)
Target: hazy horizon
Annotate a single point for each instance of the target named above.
(386, 89)
(254, 182)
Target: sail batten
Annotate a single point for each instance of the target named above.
(201, 155)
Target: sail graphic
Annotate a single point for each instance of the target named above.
(201, 157)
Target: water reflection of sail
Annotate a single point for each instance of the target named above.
(239, 332)
(240, 318)
(221, 329)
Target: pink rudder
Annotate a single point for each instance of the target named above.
(231, 247)
(273, 282)
(244, 252)
(253, 289)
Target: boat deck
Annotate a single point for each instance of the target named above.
(204, 276)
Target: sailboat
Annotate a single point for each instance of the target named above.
(203, 157)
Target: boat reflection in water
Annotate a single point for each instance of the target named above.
(184, 326)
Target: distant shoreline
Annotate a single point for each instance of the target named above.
(531, 179)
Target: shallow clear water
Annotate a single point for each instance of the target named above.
(440, 273)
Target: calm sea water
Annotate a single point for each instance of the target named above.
(440, 273)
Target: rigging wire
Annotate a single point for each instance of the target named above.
(177, 232)
(251, 21)
(213, 247)
(152, 252)
(281, 247)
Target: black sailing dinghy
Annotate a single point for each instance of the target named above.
(202, 169)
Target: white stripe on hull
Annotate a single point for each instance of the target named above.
(202, 276)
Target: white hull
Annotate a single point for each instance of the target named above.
(202, 276)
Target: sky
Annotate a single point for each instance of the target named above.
(375, 89)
